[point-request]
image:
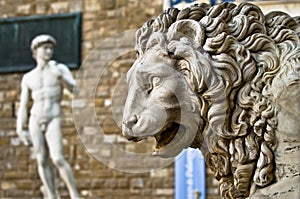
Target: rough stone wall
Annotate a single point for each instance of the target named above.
(18, 171)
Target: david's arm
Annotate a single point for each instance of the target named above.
(64, 74)
(68, 79)
(22, 113)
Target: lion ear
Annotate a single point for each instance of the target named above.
(186, 28)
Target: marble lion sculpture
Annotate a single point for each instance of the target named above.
(224, 79)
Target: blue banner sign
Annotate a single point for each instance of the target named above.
(190, 175)
(175, 2)
(172, 3)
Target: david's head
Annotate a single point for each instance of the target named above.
(42, 47)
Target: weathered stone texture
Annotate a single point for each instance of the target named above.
(18, 171)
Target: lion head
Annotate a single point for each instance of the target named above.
(202, 79)
(161, 102)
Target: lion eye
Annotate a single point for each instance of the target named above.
(156, 81)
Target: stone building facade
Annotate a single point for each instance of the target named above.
(101, 19)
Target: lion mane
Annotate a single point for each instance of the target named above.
(241, 52)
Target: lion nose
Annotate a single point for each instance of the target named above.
(127, 131)
(131, 122)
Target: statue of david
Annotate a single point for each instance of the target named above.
(44, 84)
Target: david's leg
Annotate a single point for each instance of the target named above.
(54, 139)
(45, 169)
(53, 176)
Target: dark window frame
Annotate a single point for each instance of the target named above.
(17, 33)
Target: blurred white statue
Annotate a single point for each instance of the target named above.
(45, 83)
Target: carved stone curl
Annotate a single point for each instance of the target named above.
(224, 79)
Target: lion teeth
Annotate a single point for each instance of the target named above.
(155, 152)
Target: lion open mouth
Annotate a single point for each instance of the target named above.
(166, 135)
